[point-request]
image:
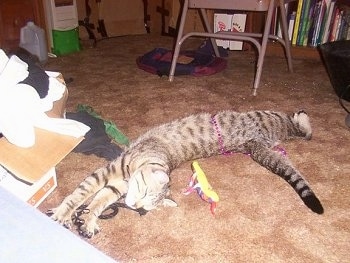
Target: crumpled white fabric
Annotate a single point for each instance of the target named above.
(55, 91)
(21, 108)
(13, 70)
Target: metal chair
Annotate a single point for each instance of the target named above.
(239, 5)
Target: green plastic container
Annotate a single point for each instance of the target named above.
(65, 42)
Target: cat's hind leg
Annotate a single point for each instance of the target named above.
(280, 165)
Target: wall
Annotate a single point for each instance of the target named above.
(122, 17)
(164, 15)
(114, 17)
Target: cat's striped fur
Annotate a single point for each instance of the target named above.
(142, 171)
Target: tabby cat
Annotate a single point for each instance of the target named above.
(142, 171)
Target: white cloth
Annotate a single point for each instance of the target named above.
(16, 114)
(55, 92)
(21, 108)
(3, 60)
(14, 70)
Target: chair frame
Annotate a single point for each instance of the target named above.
(245, 5)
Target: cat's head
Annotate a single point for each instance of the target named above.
(148, 189)
(303, 121)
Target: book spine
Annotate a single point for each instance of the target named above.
(347, 37)
(339, 22)
(330, 10)
(310, 22)
(322, 22)
(345, 22)
(291, 25)
(332, 34)
(342, 27)
(313, 29)
(303, 22)
(318, 18)
(297, 22)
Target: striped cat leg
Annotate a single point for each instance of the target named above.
(108, 195)
(280, 165)
(90, 186)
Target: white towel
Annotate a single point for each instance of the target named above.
(14, 71)
(21, 108)
(20, 112)
(3, 60)
(16, 114)
(55, 92)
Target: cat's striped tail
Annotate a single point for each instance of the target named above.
(280, 165)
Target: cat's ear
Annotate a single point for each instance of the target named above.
(169, 202)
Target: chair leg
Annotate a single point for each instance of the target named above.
(285, 35)
(263, 46)
(208, 28)
(178, 41)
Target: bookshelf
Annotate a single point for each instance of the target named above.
(320, 21)
(256, 21)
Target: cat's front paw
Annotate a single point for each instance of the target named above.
(62, 216)
(88, 231)
(87, 225)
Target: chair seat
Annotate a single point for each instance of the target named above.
(240, 5)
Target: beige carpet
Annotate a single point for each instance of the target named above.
(259, 217)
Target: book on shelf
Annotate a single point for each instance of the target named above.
(330, 9)
(325, 6)
(297, 21)
(307, 20)
(347, 19)
(334, 25)
(291, 22)
(318, 20)
(303, 21)
(339, 28)
(344, 27)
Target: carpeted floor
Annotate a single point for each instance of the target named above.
(259, 217)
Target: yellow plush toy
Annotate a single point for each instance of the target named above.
(200, 183)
